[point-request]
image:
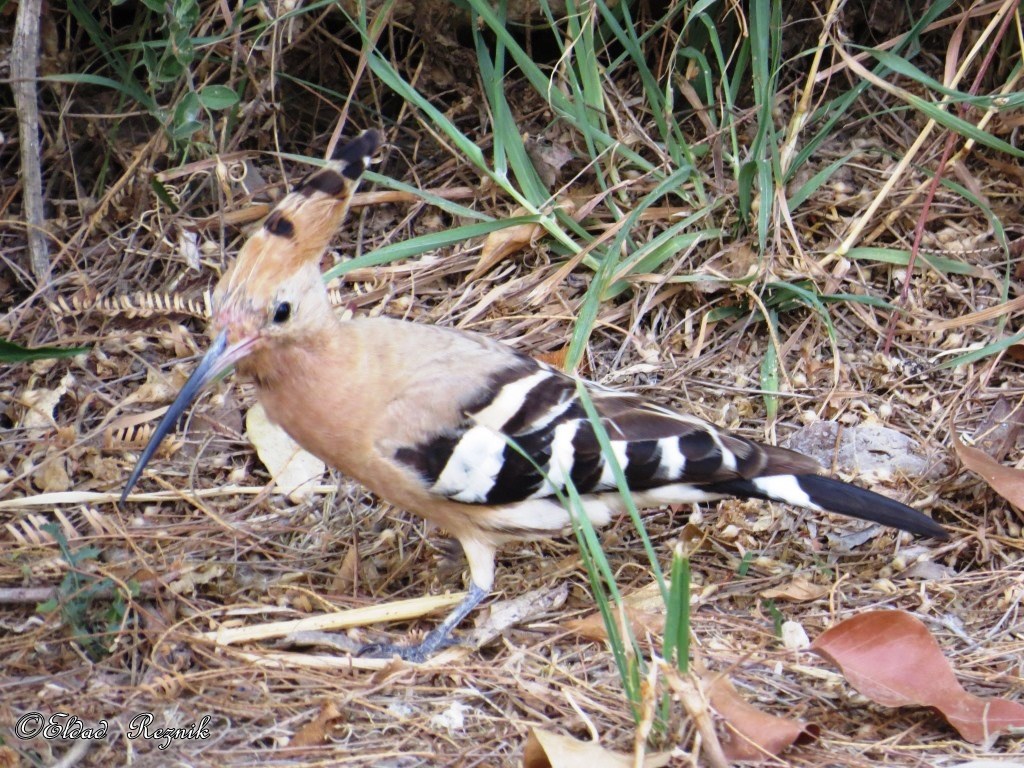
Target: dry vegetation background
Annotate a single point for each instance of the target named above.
(138, 199)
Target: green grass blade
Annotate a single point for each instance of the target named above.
(770, 372)
(417, 246)
(901, 258)
(676, 647)
(986, 351)
(14, 353)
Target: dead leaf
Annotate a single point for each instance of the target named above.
(799, 590)
(52, 476)
(642, 623)
(555, 358)
(40, 404)
(294, 470)
(645, 611)
(1006, 481)
(997, 433)
(892, 658)
(502, 243)
(749, 733)
(551, 750)
(315, 732)
(347, 573)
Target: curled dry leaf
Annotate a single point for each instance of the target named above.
(317, 730)
(552, 750)
(642, 623)
(644, 609)
(502, 243)
(158, 387)
(1006, 481)
(556, 358)
(892, 658)
(798, 590)
(750, 734)
(40, 404)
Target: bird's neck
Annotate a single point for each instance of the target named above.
(310, 388)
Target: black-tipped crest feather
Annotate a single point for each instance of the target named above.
(355, 155)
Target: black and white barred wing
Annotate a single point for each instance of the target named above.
(527, 436)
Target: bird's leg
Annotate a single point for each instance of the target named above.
(439, 637)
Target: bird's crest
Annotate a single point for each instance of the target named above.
(300, 227)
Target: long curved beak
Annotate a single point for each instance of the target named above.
(217, 359)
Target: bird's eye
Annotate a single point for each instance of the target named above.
(282, 312)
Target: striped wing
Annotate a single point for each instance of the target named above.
(526, 434)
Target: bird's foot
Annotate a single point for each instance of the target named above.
(416, 654)
(438, 638)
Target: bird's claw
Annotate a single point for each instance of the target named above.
(417, 654)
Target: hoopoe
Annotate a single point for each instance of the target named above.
(455, 427)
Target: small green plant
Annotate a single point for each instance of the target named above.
(161, 44)
(777, 618)
(94, 609)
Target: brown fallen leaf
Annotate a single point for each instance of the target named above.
(502, 243)
(315, 732)
(548, 157)
(750, 734)
(40, 404)
(892, 658)
(1006, 481)
(347, 573)
(996, 434)
(799, 590)
(551, 750)
(555, 358)
(644, 609)
(640, 621)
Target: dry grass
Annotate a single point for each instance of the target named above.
(239, 555)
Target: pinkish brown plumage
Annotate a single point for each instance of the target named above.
(459, 429)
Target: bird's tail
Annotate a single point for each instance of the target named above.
(828, 494)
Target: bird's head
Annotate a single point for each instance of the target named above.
(273, 292)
